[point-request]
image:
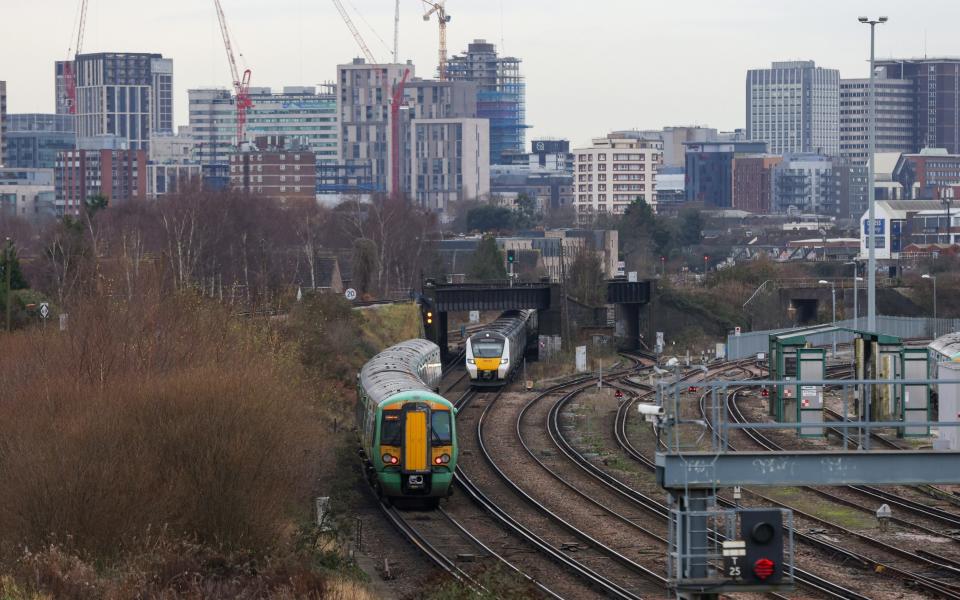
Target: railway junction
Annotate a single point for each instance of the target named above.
(658, 480)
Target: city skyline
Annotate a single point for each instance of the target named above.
(300, 43)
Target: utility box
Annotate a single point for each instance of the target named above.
(811, 366)
(949, 405)
(915, 399)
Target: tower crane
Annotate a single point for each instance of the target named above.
(69, 73)
(442, 18)
(356, 34)
(241, 85)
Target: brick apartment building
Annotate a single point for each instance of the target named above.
(269, 169)
(922, 174)
(119, 175)
(753, 182)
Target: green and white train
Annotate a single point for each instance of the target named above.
(408, 431)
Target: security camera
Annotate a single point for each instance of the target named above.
(651, 412)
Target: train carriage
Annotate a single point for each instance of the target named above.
(407, 429)
(495, 352)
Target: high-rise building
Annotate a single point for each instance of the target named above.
(613, 172)
(442, 100)
(119, 175)
(501, 96)
(61, 101)
(124, 94)
(3, 122)
(794, 107)
(364, 93)
(708, 174)
(300, 114)
(936, 82)
(33, 140)
(449, 162)
(895, 117)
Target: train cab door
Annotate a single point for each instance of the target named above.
(416, 448)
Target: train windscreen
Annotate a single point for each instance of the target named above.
(487, 349)
(440, 427)
(391, 432)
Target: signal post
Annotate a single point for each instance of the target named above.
(717, 546)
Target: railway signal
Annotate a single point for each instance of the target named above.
(762, 531)
(511, 256)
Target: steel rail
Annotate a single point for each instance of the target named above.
(928, 584)
(802, 576)
(506, 519)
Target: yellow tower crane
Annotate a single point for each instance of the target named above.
(442, 18)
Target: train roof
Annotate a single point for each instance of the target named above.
(506, 324)
(947, 345)
(397, 370)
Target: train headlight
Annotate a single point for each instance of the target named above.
(470, 361)
(504, 361)
(390, 459)
(442, 459)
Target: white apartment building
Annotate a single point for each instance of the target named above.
(615, 171)
(298, 113)
(450, 162)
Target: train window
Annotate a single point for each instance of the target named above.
(487, 349)
(440, 426)
(391, 431)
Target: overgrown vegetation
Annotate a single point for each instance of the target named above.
(170, 440)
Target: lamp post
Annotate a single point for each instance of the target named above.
(947, 200)
(856, 277)
(936, 324)
(871, 192)
(833, 295)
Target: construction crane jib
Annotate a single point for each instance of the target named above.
(241, 84)
(356, 34)
(442, 18)
(69, 66)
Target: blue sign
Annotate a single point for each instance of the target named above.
(879, 226)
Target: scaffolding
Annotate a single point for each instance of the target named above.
(501, 96)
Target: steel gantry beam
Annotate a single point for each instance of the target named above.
(708, 470)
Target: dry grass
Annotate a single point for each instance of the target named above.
(158, 448)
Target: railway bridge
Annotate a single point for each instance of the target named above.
(437, 300)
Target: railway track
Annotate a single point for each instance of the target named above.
(805, 578)
(447, 541)
(490, 488)
(893, 565)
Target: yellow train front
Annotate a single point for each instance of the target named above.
(494, 353)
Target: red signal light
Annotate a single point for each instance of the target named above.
(765, 393)
(763, 568)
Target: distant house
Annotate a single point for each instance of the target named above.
(328, 275)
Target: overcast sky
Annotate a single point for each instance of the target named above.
(591, 65)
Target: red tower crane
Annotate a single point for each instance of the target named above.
(241, 85)
(395, 103)
(69, 74)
